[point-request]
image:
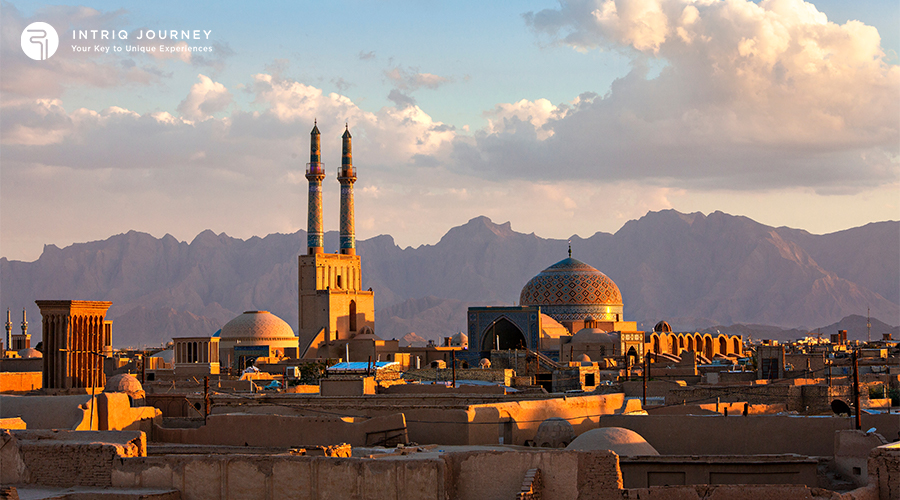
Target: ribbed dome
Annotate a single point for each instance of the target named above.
(30, 353)
(257, 325)
(459, 340)
(123, 382)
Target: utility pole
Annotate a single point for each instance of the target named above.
(855, 358)
(453, 358)
(646, 369)
(868, 326)
(205, 399)
(627, 370)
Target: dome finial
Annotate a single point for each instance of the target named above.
(570, 249)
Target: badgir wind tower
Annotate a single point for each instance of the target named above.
(332, 305)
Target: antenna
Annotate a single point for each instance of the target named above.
(868, 326)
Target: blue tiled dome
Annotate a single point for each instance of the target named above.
(573, 290)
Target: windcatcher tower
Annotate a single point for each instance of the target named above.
(315, 174)
(347, 176)
(333, 307)
(73, 334)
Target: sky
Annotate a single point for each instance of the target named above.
(564, 118)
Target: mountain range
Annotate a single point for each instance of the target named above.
(696, 271)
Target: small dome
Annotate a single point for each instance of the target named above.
(554, 433)
(30, 353)
(366, 333)
(257, 325)
(662, 327)
(123, 382)
(624, 442)
(459, 340)
(584, 358)
(484, 363)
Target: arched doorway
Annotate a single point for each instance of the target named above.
(737, 346)
(503, 334)
(708, 351)
(632, 356)
(723, 346)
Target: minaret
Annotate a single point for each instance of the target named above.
(347, 177)
(24, 324)
(315, 173)
(8, 331)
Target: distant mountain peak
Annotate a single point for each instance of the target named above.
(480, 226)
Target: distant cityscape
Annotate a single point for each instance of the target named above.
(559, 385)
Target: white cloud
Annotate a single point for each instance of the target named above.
(407, 81)
(205, 99)
(505, 116)
(750, 96)
(72, 68)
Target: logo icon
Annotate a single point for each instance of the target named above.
(39, 41)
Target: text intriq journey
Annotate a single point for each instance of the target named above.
(141, 35)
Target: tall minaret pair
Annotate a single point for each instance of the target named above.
(9, 325)
(315, 174)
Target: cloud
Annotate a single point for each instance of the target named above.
(205, 99)
(721, 97)
(201, 169)
(505, 117)
(341, 84)
(410, 80)
(407, 81)
(750, 96)
(366, 56)
(43, 132)
(400, 99)
(22, 77)
(70, 67)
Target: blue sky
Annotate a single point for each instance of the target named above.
(562, 117)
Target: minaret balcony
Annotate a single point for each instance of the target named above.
(346, 173)
(315, 170)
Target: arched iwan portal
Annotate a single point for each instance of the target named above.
(632, 356)
(506, 333)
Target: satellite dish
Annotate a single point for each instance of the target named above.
(840, 408)
(871, 430)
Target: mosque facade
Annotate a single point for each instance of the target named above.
(333, 307)
(554, 304)
(572, 310)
